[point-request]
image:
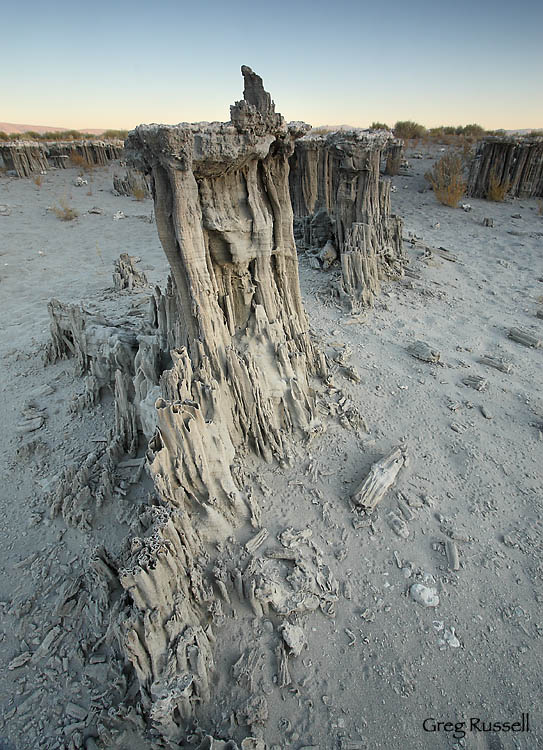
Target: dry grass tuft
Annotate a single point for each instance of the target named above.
(447, 180)
(64, 211)
(540, 207)
(497, 189)
(38, 180)
(138, 193)
(82, 162)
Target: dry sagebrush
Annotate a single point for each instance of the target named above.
(497, 187)
(64, 211)
(447, 179)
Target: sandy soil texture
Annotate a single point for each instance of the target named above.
(463, 519)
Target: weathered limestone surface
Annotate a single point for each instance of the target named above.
(224, 218)
(393, 154)
(240, 380)
(127, 275)
(95, 153)
(24, 157)
(335, 185)
(133, 183)
(513, 161)
(30, 157)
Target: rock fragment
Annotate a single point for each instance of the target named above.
(380, 479)
(421, 350)
(426, 596)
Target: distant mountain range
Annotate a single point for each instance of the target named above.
(15, 127)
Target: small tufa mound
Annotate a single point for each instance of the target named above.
(126, 275)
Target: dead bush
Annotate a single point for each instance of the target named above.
(78, 160)
(38, 180)
(64, 211)
(138, 193)
(447, 179)
(497, 187)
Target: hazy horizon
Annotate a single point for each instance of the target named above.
(114, 67)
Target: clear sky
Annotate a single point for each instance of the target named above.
(118, 64)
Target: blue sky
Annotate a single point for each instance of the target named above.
(335, 62)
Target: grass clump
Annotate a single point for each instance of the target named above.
(379, 126)
(497, 187)
(138, 193)
(64, 211)
(38, 180)
(447, 179)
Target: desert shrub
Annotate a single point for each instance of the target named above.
(322, 130)
(467, 151)
(407, 129)
(458, 135)
(78, 160)
(52, 135)
(472, 129)
(38, 180)
(497, 187)
(379, 126)
(64, 211)
(138, 193)
(120, 134)
(66, 135)
(535, 134)
(447, 179)
(4, 136)
(28, 135)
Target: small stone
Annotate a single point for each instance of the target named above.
(426, 596)
(20, 660)
(449, 636)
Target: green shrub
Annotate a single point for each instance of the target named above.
(407, 129)
(472, 129)
(379, 126)
(120, 134)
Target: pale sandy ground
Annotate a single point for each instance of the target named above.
(483, 482)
